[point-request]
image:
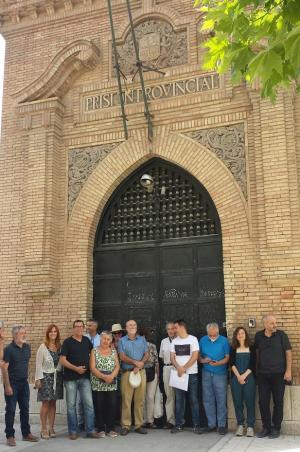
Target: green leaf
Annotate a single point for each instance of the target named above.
(254, 39)
(292, 47)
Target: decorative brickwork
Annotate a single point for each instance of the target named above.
(81, 164)
(228, 143)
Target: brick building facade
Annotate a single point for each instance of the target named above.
(64, 154)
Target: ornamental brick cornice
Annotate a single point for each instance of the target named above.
(15, 14)
(20, 11)
(67, 65)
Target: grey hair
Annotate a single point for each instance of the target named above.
(106, 333)
(15, 329)
(169, 323)
(212, 325)
(267, 316)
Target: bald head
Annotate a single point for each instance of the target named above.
(270, 324)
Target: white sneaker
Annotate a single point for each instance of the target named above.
(250, 432)
(239, 430)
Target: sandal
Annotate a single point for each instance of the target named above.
(112, 434)
(45, 434)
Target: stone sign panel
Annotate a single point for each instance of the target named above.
(190, 85)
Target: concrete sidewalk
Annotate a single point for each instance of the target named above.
(159, 440)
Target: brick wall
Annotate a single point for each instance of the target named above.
(46, 255)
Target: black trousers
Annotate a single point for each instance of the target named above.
(271, 384)
(105, 403)
(21, 395)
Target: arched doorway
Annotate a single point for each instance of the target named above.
(158, 256)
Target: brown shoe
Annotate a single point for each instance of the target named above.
(94, 435)
(73, 436)
(31, 438)
(124, 431)
(11, 441)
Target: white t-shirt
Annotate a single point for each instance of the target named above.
(165, 348)
(183, 349)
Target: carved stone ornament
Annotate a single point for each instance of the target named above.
(228, 143)
(82, 163)
(159, 46)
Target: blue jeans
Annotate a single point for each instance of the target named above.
(214, 388)
(180, 397)
(83, 385)
(21, 396)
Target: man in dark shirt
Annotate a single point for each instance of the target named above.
(274, 369)
(15, 380)
(75, 356)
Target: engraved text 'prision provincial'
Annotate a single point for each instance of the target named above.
(163, 90)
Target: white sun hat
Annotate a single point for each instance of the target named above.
(135, 379)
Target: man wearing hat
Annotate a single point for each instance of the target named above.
(133, 352)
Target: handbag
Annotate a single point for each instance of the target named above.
(150, 373)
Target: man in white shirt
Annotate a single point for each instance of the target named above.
(184, 357)
(164, 354)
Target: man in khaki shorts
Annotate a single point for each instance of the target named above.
(133, 352)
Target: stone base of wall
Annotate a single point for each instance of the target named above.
(290, 425)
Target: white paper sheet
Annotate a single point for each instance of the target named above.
(178, 382)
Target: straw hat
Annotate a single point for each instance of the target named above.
(116, 327)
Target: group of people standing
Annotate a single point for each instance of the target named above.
(120, 369)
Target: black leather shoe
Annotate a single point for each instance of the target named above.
(264, 433)
(141, 431)
(222, 430)
(124, 431)
(176, 429)
(274, 433)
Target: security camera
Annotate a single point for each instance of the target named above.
(147, 182)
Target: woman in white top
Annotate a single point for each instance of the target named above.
(48, 380)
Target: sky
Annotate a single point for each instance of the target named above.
(2, 47)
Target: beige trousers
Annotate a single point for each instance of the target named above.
(149, 400)
(138, 395)
(170, 394)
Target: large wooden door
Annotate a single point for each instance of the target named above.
(158, 256)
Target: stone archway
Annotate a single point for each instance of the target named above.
(158, 254)
(191, 156)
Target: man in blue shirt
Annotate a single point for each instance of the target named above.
(214, 355)
(133, 350)
(91, 332)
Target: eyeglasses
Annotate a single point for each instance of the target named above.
(117, 332)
